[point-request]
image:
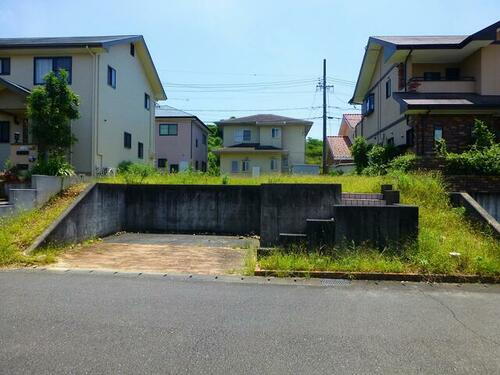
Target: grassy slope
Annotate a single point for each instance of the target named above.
(18, 232)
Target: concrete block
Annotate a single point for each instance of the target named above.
(320, 234)
(391, 197)
(385, 187)
(23, 199)
(379, 225)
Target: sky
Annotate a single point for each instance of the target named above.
(223, 58)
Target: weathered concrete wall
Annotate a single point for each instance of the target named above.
(193, 209)
(285, 208)
(490, 202)
(379, 225)
(98, 212)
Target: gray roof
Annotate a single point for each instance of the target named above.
(167, 111)
(422, 39)
(264, 119)
(76, 41)
(14, 86)
(416, 100)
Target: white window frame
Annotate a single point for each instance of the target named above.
(275, 132)
(438, 133)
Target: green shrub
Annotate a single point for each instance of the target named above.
(135, 173)
(359, 150)
(403, 163)
(55, 165)
(124, 166)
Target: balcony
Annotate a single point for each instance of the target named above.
(461, 85)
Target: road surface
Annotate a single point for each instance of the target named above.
(80, 322)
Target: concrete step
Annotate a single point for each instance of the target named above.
(363, 202)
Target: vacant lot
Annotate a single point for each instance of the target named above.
(162, 253)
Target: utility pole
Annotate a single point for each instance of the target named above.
(324, 86)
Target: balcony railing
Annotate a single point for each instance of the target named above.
(442, 85)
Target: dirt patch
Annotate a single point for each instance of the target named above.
(162, 253)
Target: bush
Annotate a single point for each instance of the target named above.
(124, 166)
(403, 163)
(136, 173)
(55, 165)
(359, 150)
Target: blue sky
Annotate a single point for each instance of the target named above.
(251, 43)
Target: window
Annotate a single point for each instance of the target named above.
(162, 163)
(203, 166)
(244, 166)
(140, 150)
(4, 66)
(388, 89)
(204, 139)
(196, 142)
(390, 141)
(274, 164)
(284, 162)
(111, 77)
(174, 168)
(410, 139)
(438, 133)
(452, 74)
(432, 76)
(127, 140)
(368, 105)
(196, 165)
(132, 49)
(247, 135)
(242, 135)
(147, 101)
(234, 166)
(45, 65)
(168, 129)
(275, 132)
(4, 132)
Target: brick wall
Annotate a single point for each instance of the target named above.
(457, 131)
(473, 184)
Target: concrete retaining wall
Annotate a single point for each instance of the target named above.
(223, 209)
(490, 202)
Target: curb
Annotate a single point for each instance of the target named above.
(415, 277)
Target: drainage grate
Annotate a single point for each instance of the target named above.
(335, 282)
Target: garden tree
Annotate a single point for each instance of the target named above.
(359, 150)
(214, 143)
(51, 108)
(482, 135)
(314, 151)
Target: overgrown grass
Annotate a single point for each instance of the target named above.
(18, 232)
(350, 183)
(442, 230)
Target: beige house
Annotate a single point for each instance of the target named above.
(415, 90)
(117, 83)
(262, 144)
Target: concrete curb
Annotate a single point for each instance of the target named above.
(415, 277)
(40, 239)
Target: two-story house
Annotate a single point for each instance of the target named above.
(181, 140)
(262, 144)
(116, 81)
(415, 90)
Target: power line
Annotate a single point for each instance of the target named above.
(249, 109)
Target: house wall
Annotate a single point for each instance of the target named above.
(229, 131)
(294, 141)
(376, 127)
(22, 73)
(200, 153)
(122, 109)
(175, 149)
(490, 77)
(262, 160)
(471, 67)
(266, 136)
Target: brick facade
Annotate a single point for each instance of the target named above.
(456, 131)
(473, 184)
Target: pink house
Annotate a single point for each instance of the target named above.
(181, 140)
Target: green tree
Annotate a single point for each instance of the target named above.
(51, 108)
(483, 136)
(314, 151)
(214, 143)
(359, 150)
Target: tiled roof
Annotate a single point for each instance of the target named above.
(264, 119)
(339, 147)
(257, 146)
(352, 119)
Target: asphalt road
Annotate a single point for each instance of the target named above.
(76, 322)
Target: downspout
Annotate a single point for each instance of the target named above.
(406, 69)
(95, 115)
